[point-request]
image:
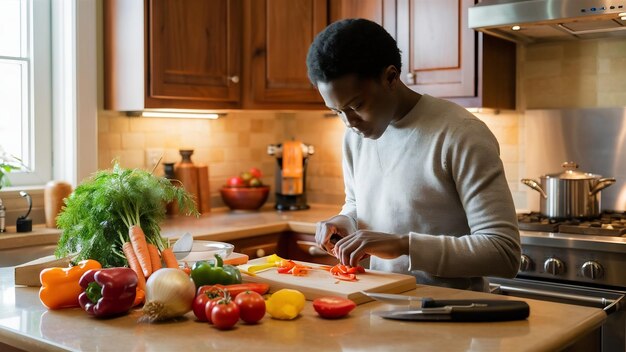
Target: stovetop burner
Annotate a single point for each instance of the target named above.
(610, 223)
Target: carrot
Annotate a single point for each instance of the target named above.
(134, 264)
(138, 240)
(140, 296)
(168, 257)
(155, 259)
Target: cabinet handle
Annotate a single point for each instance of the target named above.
(312, 249)
(234, 79)
(410, 78)
(260, 253)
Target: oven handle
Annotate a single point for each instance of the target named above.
(610, 306)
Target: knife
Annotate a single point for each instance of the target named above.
(452, 310)
(476, 310)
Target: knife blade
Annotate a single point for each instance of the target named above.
(397, 299)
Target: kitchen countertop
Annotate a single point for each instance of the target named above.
(26, 324)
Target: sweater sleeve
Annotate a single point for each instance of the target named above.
(349, 206)
(492, 248)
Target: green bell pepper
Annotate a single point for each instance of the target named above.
(206, 273)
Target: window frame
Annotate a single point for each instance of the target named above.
(37, 126)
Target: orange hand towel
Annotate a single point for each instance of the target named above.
(292, 159)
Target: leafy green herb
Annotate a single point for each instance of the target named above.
(107, 204)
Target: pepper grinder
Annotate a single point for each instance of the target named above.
(2, 217)
(24, 224)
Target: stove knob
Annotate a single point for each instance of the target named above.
(554, 266)
(592, 270)
(526, 263)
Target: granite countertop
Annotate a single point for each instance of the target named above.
(26, 324)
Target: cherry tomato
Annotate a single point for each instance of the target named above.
(199, 306)
(251, 306)
(333, 307)
(208, 308)
(225, 314)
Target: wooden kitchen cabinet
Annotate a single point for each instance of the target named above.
(185, 54)
(382, 12)
(302, 246)
(260, 246)
(442, 57)
(194, 53)
(278, 36)
(291, 245)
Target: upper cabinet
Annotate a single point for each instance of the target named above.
(251, 54)
(194, 53)
(278, 36)
(382, 12)
(442, 57)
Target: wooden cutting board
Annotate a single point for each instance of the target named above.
(319, 283)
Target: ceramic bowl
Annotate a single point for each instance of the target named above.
(245, 198)
(205, 250)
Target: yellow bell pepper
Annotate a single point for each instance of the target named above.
(285, 304)
(59, 286)
(272, 262)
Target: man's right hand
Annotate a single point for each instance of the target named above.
(337, 225)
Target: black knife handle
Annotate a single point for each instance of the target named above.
(484, 309)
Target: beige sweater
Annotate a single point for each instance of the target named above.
(436, 175)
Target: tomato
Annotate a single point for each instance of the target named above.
(225, 314)
(235, 289)
(208, 308)
(199, 306)
(236, 182)
(256, 173)
(333, 307)
(251, 306)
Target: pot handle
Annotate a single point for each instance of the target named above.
(601, 184)
(534, 185)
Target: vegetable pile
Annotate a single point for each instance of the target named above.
(107, 210)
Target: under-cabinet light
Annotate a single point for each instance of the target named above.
(622, 14)
(516, 28)
(178, 114)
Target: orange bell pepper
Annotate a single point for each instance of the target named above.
(60, 287)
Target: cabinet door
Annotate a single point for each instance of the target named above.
(382, 12)
(277, 39)
(438, 48)
(257, 247)
(302, 247)
(194, 53)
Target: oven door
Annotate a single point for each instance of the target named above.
(613, 302)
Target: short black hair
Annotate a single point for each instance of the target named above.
(351, 46)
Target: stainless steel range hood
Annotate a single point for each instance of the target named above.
(529, 21)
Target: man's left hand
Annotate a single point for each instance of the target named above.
(352, 248)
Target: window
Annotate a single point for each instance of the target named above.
(25, 80)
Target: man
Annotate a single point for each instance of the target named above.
(425, 188)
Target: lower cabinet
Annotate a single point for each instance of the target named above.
(291, 245)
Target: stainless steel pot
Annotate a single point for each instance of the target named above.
(571, 193)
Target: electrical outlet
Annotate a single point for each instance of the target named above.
(152, 157)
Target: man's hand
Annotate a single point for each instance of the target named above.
(354, 247)
(340, 225)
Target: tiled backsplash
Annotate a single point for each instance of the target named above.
(239, 141)
(574, 74)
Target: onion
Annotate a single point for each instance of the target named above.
(169, 294)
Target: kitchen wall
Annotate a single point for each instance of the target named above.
(239, 141)
(588, 73)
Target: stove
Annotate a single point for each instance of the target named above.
(585, 251)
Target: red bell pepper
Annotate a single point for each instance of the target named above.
(108, 292)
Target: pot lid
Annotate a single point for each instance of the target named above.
(571, 173)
